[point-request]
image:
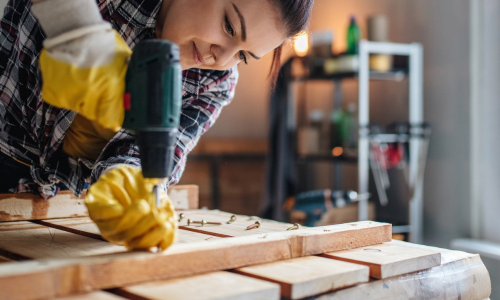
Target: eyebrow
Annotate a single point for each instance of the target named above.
(242, 22)
(243, 29)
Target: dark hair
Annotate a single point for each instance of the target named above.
(295, 16)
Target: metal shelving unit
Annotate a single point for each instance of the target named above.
(415, 54)
(414, 138)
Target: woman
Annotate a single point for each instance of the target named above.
(44, 147)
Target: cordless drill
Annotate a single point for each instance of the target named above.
(152, 103)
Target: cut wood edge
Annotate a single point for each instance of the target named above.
(184, 196)
(462, 276)
(43, 278)
(27, 206)
(386, 262)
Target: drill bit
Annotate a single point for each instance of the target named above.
(156, 191)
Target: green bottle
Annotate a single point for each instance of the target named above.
(353, 37)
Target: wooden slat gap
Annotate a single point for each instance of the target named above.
(14, 256)
(205, 232)
(71, 230)
(126, 294)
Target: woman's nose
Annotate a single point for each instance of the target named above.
(224, 55)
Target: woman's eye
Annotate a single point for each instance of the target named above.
(229, 28)
(243, 57)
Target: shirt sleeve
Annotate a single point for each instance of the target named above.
(199, 112)
(201, 106)
(122, 149)
(133, 13)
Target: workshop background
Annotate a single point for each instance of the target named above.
(461, 72)
(461, 50)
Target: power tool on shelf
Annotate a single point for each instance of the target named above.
(152, 103)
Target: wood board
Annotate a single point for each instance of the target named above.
(98, 295)
(388, 260)
(24, 240)
(58, 277)
(308, 276)
(460, 276)
(211, 286)
(86, 227)
(26, 206)
(236, 228)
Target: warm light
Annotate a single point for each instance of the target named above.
(301, 44)
(337, 151)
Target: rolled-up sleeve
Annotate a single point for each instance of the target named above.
(202, 105)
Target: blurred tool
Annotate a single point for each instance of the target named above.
(390, 150)
(152, 104)
(316, 203)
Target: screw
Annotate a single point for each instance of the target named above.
(232, 219)
(294, 227)
(255, 225)
(181, 216)
(203, 222)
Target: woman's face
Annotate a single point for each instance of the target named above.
(218, 34)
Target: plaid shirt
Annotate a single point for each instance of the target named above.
(32, 131)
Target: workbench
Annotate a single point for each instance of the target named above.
(44, 255)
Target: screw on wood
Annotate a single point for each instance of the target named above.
(294, 227)
(203, 222)
(255, 225)
(232, 219)
(181, 216)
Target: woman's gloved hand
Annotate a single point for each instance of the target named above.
(123, 206)
(87, 75)
(84, 61)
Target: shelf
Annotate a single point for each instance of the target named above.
(326, 158)
(395, 75)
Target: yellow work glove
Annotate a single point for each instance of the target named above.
(123, 206)
(84, 71)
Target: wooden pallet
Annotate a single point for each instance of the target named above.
(66, 257)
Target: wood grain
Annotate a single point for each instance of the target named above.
(26, 206)
(388, 260)
(51, 278)
(217, 285)
(308, 276)
(36, 241)
(237, 228)
(460, 276)
(86, 227)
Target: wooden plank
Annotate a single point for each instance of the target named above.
(184, 196)
(460, 276)
(308, 276)
(26, 206)
(388, 260)
(217, 285)
(86, 227)
(51, 278)
(4, 259)
(99, 295)
(29, 240)
(237, 228)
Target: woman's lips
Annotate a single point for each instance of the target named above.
(198, 59)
